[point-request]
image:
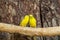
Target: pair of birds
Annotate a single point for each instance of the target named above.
(28, 19)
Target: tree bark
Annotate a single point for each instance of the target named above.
(50, 15)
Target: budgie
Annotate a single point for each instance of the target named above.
(32, 21)
(25, 20)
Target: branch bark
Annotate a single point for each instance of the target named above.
(49, 31)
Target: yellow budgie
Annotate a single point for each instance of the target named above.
(25, 20)
(32, 21)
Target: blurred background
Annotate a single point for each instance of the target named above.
(46, 12)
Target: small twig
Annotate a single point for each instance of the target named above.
(49, 31)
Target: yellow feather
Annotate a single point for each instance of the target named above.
(25, 20)
(32, 21)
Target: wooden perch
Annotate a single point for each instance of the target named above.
(49, 31)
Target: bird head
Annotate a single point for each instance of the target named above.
(31, 15)
(26, 16)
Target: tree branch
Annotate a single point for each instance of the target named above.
(49, 31)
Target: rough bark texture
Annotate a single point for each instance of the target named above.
(50, 15)
(45, 11)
